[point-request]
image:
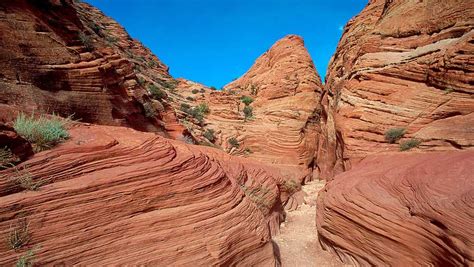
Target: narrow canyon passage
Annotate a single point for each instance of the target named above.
(298, 240)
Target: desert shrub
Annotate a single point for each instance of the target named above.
(203, 108)
(233, 142)
(86, 40)
(253, 89)
(409, 144)
(156, 92)
(394, 134)
(169, 84)
(152, 64)
(247, 100)
(111, 39)
(43, 132)
(202, 90)
(260, 196)
(24, 179)
(27, 259)
(213, 88)
(248, 112)
(150, 111)
(7, 158)
(185, 107)
(248, 151)
(291, 186)
(190, 98)
(209, 135)
(19, 234)
(448, 90)
(141, 81)
(195, 91)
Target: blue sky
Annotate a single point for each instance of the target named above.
(215, 41)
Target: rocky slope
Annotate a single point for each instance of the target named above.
(413, 209)
(112, 195)
(400, 64)
(68, 58)
(284, 88)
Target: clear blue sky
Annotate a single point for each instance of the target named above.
(215, 41)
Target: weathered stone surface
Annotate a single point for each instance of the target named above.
(18, 146)
(117, 196)
(400, 64)
(403, 209)
(68, 58)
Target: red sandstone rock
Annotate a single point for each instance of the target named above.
(400, 64)
(404, 209)
(17, 145)
(116, 196)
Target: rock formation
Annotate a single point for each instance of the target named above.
(403, 209)
(68, 58)
(400, 64)
(112, 195)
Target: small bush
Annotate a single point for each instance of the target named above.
(203, 108)
(43, 132)
(409, 144)
(394, 134)
(291, 186)
(195, 91)
(202, 90)
(448, 91)
(185, 107)
(150, 111)
(248, 112)
(156, 92)
(190, 98)
(233, 142)
(7, 158)
(209, 135)
(141, 81)
(247, 100)
(152, 64)
(86, 40)
(19, 235)
(24, 179)
(26, 260)
(213, 88)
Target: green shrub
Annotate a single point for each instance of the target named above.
(141, 81)
(409, 144)
(291, 186)
(209, 135)
(195, 91)
(190, 98)
(248, 112)
(152, 64)
(43, 132)
(394, 134)
(86, 40)
(247, 100)
(150, 111)
(203, 108)
(26, 260)
(156, 92)
(213, 88)
(185, 107)
(233, 142)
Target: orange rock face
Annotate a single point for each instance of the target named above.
(284, 122)
(404, 209)
(400, 64)
(115, 196)
(68, 58)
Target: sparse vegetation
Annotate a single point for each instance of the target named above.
(186, 139)
(152, 64)
(43, 132)
(259, 196)
(233, 142)
(448, 91)
(19, 235)
(7, 158)
(253, 89)
(141, 81)
(248, 112)
(24, 179)
(409, 144)
(196, 112)
(394, 134)
(190, 98)
(203, 108)
(202, 90)
(156, 92)
(86, 40)
(27, 259)
(209, 135)
(247, 100)
(150, 111)
(248, 151)
(213, 88)
(291, 186)
(195, 91)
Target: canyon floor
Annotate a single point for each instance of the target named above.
(298, 240)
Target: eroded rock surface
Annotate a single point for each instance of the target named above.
(402, 210)
(114, 196)
(399, 64)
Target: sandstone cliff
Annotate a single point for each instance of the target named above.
(68, 58)
(400, 64)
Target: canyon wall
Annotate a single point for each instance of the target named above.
(408, 65)
(400, 64)
(70, 59)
